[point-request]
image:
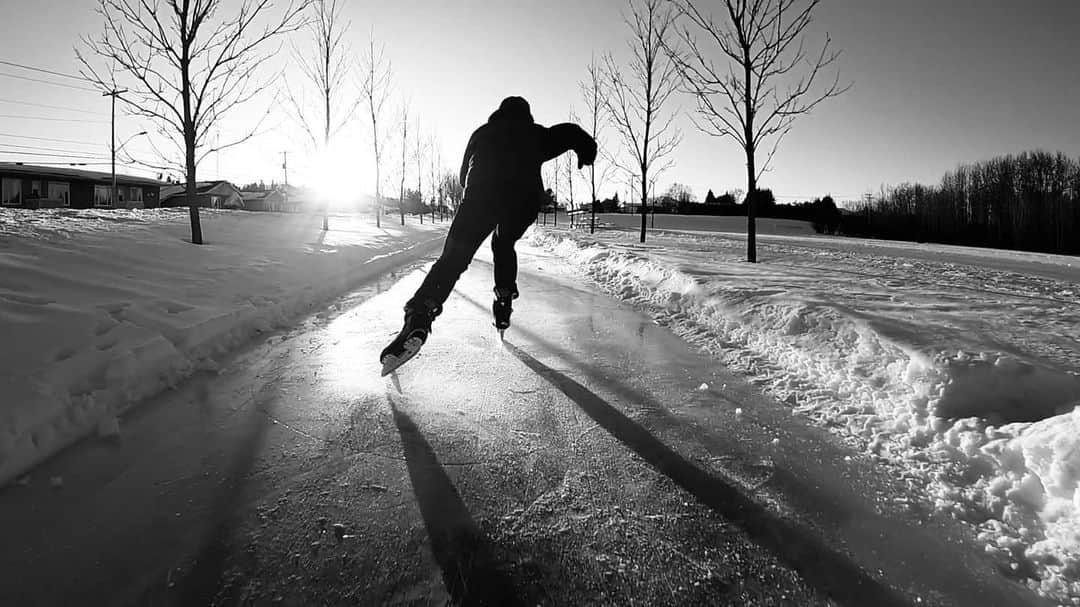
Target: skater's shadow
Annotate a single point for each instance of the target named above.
(469, 568)
(832, 572)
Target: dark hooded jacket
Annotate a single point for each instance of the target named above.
(503, 158)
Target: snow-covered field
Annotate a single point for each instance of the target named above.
(959, 365)
(100, 308)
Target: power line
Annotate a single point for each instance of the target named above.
(52, 107)
(14, 117)
(39, 69)
(44, 155)
(70, 86)
(37, 148)
(49, 139)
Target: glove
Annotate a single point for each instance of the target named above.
(588, 155)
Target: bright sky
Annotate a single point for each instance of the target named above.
(935, 84)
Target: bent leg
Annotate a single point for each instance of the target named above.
(507, 233)
(470, 227)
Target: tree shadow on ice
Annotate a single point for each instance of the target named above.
(831, 572)
(469, 568)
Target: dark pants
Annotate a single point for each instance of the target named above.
(476, 219)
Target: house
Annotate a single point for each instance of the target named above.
(209, 194)
(33, 187)
(263, 200)
(300, 199)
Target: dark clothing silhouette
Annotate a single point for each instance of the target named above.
(503, 192)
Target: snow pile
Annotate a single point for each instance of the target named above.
(965, 374)
(101, 308)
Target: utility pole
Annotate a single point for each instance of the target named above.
(113, 93)
(285, 167)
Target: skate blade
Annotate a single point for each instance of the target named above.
(390, 363)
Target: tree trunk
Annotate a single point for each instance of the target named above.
(751, 175)
(189, 141)
(592, 179)
(193, 205)
(378, 193)
(644, 202)
(326, 143)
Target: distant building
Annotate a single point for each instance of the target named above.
(300, 199)
(33, 187)
(208, 194)
(263, 200)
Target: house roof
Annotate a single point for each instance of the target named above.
(201, 187)
(33, 170)
(258, 195)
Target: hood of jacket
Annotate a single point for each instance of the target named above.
(512, 109)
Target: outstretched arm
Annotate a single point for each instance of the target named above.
(569, 136)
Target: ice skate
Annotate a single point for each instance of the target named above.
(408, 342)
(501, 309)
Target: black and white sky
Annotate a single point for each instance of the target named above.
(935, 83)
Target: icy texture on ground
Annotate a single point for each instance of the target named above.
(101, 308)
(959, 363)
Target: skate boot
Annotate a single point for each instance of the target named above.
(408, 342)
(501, 309)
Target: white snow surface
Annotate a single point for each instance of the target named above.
(957, 364)
(101, 308)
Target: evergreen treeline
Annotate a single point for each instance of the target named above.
(1029, 201)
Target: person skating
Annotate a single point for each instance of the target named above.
(503, 189)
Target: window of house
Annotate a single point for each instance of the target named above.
(35, 189)
(10, 191)
(135, 194)
(102, 196)
(60, 190)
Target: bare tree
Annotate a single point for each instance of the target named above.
(418, 152)
(434, 158)
(453, 191)
(568, 164)
(185, 64)
(325, 67)
(592, 92)
(756, 94)
(635, 101)
(375, 90)
(404, 154)
(680, 192)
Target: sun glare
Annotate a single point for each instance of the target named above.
(337, 175)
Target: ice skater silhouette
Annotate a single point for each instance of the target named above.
(503, 192)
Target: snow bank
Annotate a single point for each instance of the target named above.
(966, 375)
(101, 308)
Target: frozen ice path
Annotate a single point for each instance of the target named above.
(593, 458)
